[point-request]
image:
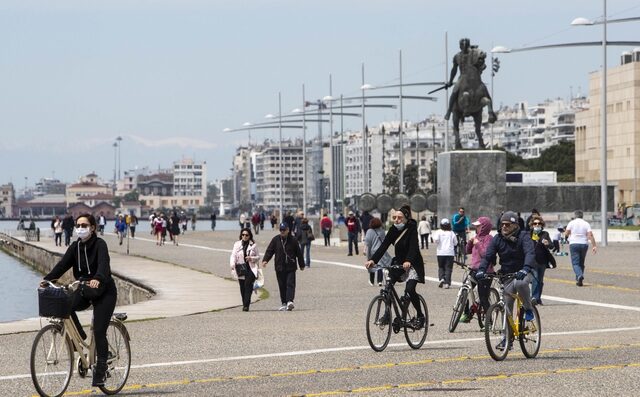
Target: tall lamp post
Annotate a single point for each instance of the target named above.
(603, 97)
(115, 163)
(119, 140)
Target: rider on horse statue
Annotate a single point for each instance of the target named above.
(471, 62)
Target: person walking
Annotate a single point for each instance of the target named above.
(174, 227)
(213, 221)
(373, 239)
(67, 228)
(477, 247)
(133, 223)
(287, 252)
(245, 265)
(89, 258)
(544, 257)
(404, 237)
(255, 222)
(121, 228)
(274, 221)
(57, 231)
(326, 225)
(194, 218)
(517, 255)
(305, 237)
(365, 220)
(446, 242)
(157, 229)
(579, 233)
(424, 230)
(353, 228)
(102, 223)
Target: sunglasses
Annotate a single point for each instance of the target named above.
(505, 225)
(536, 223)
(244, 235)
(79, 225)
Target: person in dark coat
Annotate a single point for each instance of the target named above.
(89, 258)
(174, 227)
(404, 237)
(544, 258)
(287, 252)
(67, 227)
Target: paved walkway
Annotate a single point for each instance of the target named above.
(179, 290)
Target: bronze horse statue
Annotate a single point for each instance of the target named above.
(470, 95)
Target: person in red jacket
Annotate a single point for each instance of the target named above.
(326, 225)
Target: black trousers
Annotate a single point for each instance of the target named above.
(103, 308)
(410, 289)
(246, 287)
(424, 240)
(287, 285)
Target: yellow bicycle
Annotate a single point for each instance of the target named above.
(55, 345)
(500, 329)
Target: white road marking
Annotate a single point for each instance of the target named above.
(338, 349)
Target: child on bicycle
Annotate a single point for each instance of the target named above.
(89, 258)
(477, 247)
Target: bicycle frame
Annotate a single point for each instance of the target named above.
(513, 325)
(389, 292)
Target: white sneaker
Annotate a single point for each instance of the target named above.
(380, 284)
(290, 306)
(282, 308)
(371, 283)
(446, 286)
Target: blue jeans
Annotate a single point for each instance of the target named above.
(578, 254)
(537, 283)
(307, 253)
(353, 238)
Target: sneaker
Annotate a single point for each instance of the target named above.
(500, 346)
(419, 322)
(446, 286)
(290, 306)
(384, 320)
(282, 308)
(528, 315)
(99, 375)
(380, 284)
(465, 318)
(245, 308)
(579, 282)
(441, 284)
(371, 283)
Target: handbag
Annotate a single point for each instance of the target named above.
(91, 293)
(310, 236)
(241, 269)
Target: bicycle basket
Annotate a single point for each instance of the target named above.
(54, 302)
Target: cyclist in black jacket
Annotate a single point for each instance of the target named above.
(89, 258)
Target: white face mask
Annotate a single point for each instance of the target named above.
(537, 229)
(399, 226)
(83, 232)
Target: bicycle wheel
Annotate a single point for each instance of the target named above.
(496, 332)
(494, 297)
(415, 328)
(379, 323)
(530, 333)
(51, 361)
(119, 361)
(458, 309)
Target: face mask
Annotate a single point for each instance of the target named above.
(537, 229)
(83, 232)
(399, 226)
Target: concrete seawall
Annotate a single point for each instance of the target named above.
(43, 260)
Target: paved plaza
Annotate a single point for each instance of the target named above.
(206, 345)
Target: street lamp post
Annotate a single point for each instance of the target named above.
(119, 139)
(330, 99)
(115, 163)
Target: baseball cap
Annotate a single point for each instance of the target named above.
(283, 226)
(444, 221)
(476, 223)
(509, 216)
(350, 212)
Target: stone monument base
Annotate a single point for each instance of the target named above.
(473, 179)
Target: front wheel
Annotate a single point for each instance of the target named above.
(51, 361)
(416, 327)
(379, 323)
(496, 332)
(119, 359)
(529, 333)
(458, 309)
(494, 297)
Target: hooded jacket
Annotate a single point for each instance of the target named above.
(479, 249)
(406, 249)
(89, 260)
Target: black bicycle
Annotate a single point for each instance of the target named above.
(388, 311)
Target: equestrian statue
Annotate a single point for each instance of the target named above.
(469, 94)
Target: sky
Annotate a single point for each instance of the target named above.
(169, 76)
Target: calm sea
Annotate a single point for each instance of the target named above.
(18, 295)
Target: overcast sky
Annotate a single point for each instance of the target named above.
(169, 76)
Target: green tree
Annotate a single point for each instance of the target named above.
(411, 180)
(391, 180)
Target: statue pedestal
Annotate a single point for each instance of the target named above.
(473, 179)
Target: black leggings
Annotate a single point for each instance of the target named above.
(410, 289)
(246, 287)
(103, 308)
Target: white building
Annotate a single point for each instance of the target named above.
(189, 178)
(268, 184)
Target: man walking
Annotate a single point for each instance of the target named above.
(353, 228)
(287, 252)
(579, 234)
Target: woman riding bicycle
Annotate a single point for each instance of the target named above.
(477, 247)
(89, 258)
(404, 237)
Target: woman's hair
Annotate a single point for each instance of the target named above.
(90, 218)
(536, 218)
(305, 221)
(248, 230)
(375, 223)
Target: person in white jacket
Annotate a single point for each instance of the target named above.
(445, 251)
(245, 265)
(424, 230)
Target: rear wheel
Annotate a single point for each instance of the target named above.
(529, 333)
(416, 328)
(51, 361)
(496, 332)
(379, 323)
(458, 308)
(119, 359)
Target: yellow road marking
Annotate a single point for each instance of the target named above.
(603, 286)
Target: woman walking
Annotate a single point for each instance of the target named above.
(372, 241)
(305, 237)
(57, 231)
(446, 241)
(175, 227)
(244, 262)
(544, 258)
